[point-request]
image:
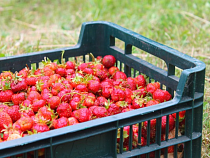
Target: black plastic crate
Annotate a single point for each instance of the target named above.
(98, 138)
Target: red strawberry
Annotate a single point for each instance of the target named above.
(18, 86)
(61, 71)
(94, 86)
(82, 114)
(33, 95)
(81, 87)
(5, 120)
(171, 124)
(48, 71)
(137, 103)
(101, 101)
(26, 110)
(56, 88)
(141, 92)
(90, 100)
(46, 113)
(119, 75)
(72, 121)
(40, 127)
(53, 102)
(61, 122)
(128, 94)
(130, 83)
(82, 66)
(118, 94)
(53, 78)
(4, 107)
(14, 113)
(113, 70)
(141, 82)
(181, 115)
(31, 80)
(18, 98)
(99, 112)
(23, 73)
(108, 61)
(70, 71)
(88, 71)
(161, 95)
(106, 91)
(101, 74)
(113, 109)
(5, 96)
(24, 123)
(152, 129)
(152, 102)
(64, 110)
(75, 103)
(65, 95)
(37, 104)
(70, 65)
(152, 87)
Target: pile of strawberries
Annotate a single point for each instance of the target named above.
(58, 95)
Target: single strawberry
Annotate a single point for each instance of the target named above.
(57, 87)
(101, 101)
(119, 75)
(25, 123)
(17, 86)
(141, 92)
(61, 71)
(152, 102)
(161, 95)
(23, 73)
(46, 113)
(53, 102)
(88, 71)
(113, 70)
(94, 86)
(129, 95)
(53, 79)
(99, 112)
(81, 87)
(101, 74)
(48, 71)
(141, 82)
(5, 120)
(14, 113)
(171, 123)
(37, 104)
(113, 109)
(108, 61)
(152, 87)
(107, 91)
(6, 96)
(64, 110)
(33, 95)
(118, 94)
(65, 95)
(61, 122)
(89, 100)
(31, 80)
(18, 98)
(137, 103)
(26, 110)
(40, 127)
(82, 115)
(75, 102)
(72, 121)
(70, 71)
(130, 83)
(70, 65)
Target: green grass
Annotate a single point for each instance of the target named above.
(29, 26)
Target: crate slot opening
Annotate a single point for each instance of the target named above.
(149, 58)
(117, 44)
